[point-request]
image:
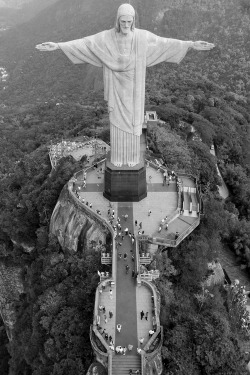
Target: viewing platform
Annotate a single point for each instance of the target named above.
(126, 294)
(175, 205)
(126, 333)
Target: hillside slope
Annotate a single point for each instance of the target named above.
(17, 12)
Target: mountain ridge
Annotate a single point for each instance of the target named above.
(17, 12)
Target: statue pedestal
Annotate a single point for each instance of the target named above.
(125, 184)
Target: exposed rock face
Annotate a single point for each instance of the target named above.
(74, 224)
(26, 248)
(11, 287)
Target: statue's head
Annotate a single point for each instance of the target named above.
(125, 17)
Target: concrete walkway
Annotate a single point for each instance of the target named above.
(126, 285)
(161, 200)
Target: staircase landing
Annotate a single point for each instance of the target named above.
(121, 364)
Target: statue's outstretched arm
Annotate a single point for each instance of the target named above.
(202, 46)
(48, 46)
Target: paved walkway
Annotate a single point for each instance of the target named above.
(126, 285)
(130, 299)
(161, 200)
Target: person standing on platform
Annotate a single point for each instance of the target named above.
(141, 340)
(151, 332)
(119, 327)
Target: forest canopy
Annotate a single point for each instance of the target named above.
(203, 101)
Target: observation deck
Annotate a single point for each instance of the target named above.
(169, 213)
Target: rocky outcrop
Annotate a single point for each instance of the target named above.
(74, 224)
(26, 247)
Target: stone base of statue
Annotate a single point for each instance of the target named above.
(125, 184)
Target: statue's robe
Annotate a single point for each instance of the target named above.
(124, 81)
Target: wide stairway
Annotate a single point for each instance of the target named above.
(121, 364)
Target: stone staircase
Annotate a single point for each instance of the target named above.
(121, 364)
(106, 259)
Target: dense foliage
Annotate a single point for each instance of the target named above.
(52, 332)
(202, 324)
(54, 312)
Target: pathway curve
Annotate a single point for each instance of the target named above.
(126, 285)
(223, 190)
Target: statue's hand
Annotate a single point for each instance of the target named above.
(202, 46)
(48, 46)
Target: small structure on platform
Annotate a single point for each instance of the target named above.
(90, 147)
(151, 117)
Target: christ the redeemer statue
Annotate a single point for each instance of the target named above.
(124, 53)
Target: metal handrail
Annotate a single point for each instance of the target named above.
(153, 289)
(157, 350)
(137, 260)
(174, 243)
(102, 220)
(110, 360)
(142, 362)
(158, 328)
(188, 230)
(114, 258)
(173, 216)
(76, 174)
(88, 209)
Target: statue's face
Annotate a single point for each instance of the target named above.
(126, 23)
